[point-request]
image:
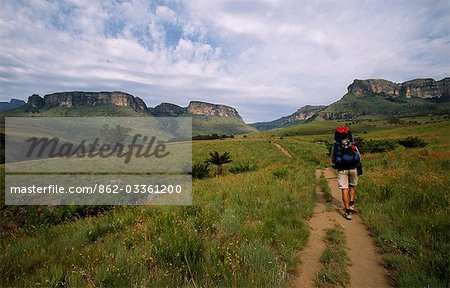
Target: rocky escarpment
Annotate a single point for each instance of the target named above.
(76, 99)
(304, 113)
(208, 109)
(382, 98)
(361, 88)
(419, 88)
(36, 101)
(425, 88)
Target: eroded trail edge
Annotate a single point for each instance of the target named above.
(366, 269)
(283, 150)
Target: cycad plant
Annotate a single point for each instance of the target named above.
(219, 160)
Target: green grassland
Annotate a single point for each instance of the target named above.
(245, 230)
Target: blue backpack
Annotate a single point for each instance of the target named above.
(346, 155)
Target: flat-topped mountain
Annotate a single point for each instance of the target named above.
(121, 99)
(78, 98)
(299, 116)
(207, 118)
(195, 108)
(382, 98)
(207, 109)
(419, 88)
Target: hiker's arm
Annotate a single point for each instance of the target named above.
(360, 155)
(332, 158)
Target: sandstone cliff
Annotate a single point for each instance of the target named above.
(75, 99)
(304, 113)
(208, 109)
(425, 88)
(362, 88)
(420, 88)
(382, 98)
(78, 99)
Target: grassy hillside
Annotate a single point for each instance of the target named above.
(369, 107)
(352, 107)
(219, 125)
(303, 113)
(275, 124)
(82, 111)
(358, 126)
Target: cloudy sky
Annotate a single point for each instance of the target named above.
(266, 58)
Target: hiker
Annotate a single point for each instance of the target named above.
(345, 158)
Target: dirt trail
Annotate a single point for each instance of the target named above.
(283, 150)
(366, 268)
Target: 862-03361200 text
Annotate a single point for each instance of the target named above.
(99, 188)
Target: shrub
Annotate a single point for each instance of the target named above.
(214, 136)
(394, 120)
(200, 170)
(375, 146)
(280, 172)
(242, 167)
(413, 142)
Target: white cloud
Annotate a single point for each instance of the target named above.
(254, 55)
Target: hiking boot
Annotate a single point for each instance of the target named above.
(348, 215)
(352, 209)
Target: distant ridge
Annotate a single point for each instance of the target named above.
(364, 99)
(12, 104)
(301, 115)
(375, 98)
(381, 98)
(122, 99)
(207, 118)
(418, 88)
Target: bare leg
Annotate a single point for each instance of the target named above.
(352, 192)
(345, 198)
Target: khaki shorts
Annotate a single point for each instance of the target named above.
(347, 177)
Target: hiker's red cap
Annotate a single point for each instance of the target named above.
(342, 129)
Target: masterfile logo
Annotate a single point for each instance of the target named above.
(121, 160)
